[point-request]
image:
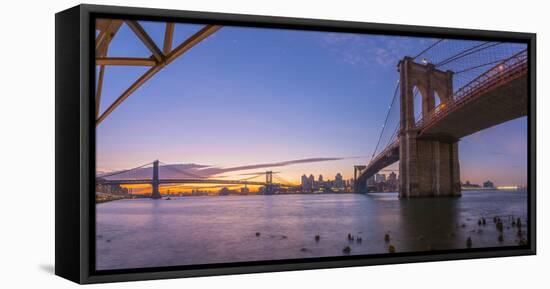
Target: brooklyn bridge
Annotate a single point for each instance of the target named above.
(445, 92)
(427, 147)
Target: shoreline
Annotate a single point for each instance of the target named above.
(106, 199)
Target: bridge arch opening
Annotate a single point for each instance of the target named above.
(424, 103)
(438, 103)
(417, 103)
(437, 99)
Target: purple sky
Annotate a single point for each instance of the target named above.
(248, 96)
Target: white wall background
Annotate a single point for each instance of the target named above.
(27, 144)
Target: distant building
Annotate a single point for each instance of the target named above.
(320, 178)
(379, 178)
(224, 191)
(370, 181)
(311, 180)
(488, 184)
(196, 192)
(467, 184)
(306, 183)
(392, 184)
(338, 181)
(392, 177)
(112, 189)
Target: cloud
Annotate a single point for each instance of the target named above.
(360, 49)
(217, 170)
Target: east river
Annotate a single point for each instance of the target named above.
(200, 230)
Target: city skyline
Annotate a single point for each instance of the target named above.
(286, 95)
(383, 181)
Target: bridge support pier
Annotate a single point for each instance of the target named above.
(429, 167)
(155, 194)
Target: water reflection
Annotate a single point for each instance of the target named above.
(430, 224)
(201, 230)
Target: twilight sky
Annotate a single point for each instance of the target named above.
(247, 96)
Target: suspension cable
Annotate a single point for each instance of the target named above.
(250, 178)
(467, 52)
(443, 62)
(123, 171)
(481, 65)
(385, 121)
(283, 181)
(429, 47)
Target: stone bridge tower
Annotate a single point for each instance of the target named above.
(428, 165)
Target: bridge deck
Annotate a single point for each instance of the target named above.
(497, 103)
(387, 157)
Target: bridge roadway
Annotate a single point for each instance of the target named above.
(388, 156)
(500, 100)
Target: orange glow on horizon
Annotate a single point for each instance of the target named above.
(175, 189)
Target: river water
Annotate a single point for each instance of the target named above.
(200, 230)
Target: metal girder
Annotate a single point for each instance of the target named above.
(192, 41)
(157, 61)
(102, 24)
(168, 37)
(98, 90)
(128, 61)
(146, 39)
(108, 29)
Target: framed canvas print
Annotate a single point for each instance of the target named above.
(193, 144)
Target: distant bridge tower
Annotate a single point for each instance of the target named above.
(429, 165)
(155, 194)
(359, 185)
(269, 182)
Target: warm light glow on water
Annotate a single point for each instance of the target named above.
(507, 187)
(200, 230)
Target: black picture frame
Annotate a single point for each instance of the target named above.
(75, 143)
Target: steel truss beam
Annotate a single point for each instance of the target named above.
(158, 60)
